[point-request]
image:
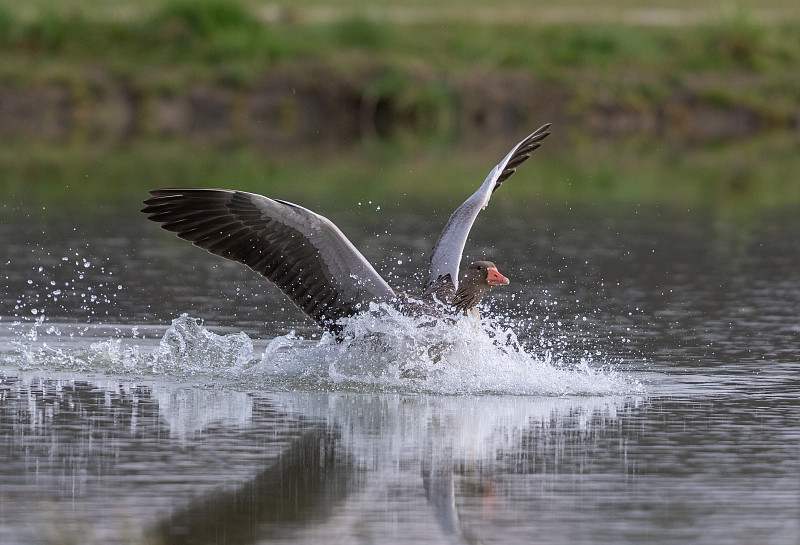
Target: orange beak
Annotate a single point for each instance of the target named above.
(494, 278)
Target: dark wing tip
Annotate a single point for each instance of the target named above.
(524, 149)
(167, 195)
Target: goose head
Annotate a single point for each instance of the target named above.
(480, 277)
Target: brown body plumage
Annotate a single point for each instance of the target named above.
(480, 277)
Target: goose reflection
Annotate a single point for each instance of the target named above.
(303, 485)
(439, 483)
(441, 495)
(458, 446)
(184, 465)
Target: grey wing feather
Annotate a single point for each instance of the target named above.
(447, 251)
(303, 253)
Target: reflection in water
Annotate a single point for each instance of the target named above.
(111, 458)
(96, 460)
(440, 492)
(436, 469)
(302, 485)
(438, 480)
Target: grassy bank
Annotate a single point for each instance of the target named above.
(649, 12)
(417, 69)
(106, 99)
(232, 42)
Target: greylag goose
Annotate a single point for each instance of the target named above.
(312, 261)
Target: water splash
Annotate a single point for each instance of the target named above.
(186, 348)
(78, 284)
(384, 350)
(381, 350)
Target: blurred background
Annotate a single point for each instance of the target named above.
(679, 103)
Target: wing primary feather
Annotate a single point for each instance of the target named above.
(303, 253)
(520, 153)
(449, 247)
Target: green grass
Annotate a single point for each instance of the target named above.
(212, 34)
(528, 11)
(164, 46)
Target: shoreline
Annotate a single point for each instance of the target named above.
(291, 104)
(222, 72)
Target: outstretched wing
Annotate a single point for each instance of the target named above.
(303, 253)
(447, 252)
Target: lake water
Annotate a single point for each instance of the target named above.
(637, 382)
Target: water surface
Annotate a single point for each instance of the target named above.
(636, 383)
